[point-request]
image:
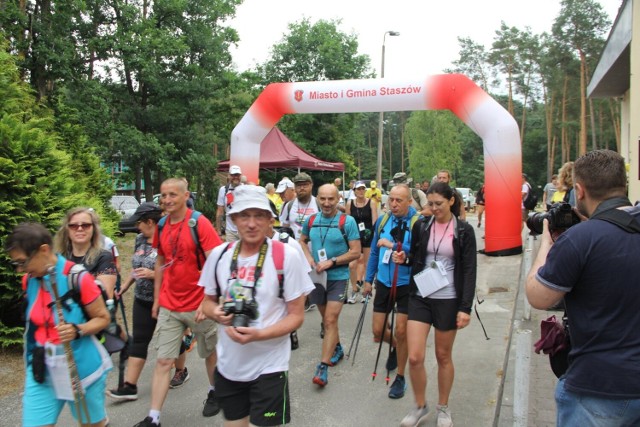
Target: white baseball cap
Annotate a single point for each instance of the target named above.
(235, 169)
(250, 197)
(284, 184)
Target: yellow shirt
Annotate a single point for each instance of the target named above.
(277, 200)
(373, 193)
(558, 196)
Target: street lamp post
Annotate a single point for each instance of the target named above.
(381, 119)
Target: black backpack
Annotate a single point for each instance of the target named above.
(531, 201)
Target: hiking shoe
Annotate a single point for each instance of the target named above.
(415, 417)
(321, 330)
(147, 422)
(353, 297)
(211, 406)
(321, 376)
(179, 378)
(444, 416)
(125, 392)
(392, 361)
(338, 354)
(398, 387)
(189, 342)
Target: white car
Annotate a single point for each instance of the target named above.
(468, 198)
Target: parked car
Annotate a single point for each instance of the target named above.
(468, 197)
(125, 206)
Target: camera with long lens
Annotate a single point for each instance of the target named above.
(243, 311)
(560, 216)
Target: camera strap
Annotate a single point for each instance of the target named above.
(258, 270)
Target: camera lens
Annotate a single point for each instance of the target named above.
(535, 222)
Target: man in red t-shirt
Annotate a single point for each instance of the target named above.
(177, 296)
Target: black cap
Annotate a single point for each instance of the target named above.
(146, 209)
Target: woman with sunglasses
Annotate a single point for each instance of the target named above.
(51, 327)
(79, 239)
(443, 283)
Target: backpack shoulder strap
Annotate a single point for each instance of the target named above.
(383, 222)
(312, 219)
(341, 221)
(277, 249)
(193, 228)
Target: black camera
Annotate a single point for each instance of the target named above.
(243, 311)
(560, 216)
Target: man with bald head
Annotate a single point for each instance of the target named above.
(392, 233)
(330, 240)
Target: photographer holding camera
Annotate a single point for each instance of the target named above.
(259, 308)
(593, 266)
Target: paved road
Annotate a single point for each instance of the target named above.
(351, 398)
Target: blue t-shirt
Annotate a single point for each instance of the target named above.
(375, 266)
(325, 234)
(595, 262)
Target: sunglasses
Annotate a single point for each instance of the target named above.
(23, 263)
(79, 225)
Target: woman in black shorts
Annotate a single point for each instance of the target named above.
(443, 282)
(480, 205)
(365, 215)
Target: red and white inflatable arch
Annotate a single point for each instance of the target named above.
(455, 92)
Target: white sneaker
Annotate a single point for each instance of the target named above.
(353, 298)
(415, 417)
(444, 416)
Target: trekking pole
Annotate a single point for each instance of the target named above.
(356, 333)
(375, 367)
(124, 353)
(79, 400)
(366, 302)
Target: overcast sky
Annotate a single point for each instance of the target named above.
(428, 29)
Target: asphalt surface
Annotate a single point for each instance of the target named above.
(481, 396)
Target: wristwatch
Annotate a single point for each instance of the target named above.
(335, 261)
(79, 332)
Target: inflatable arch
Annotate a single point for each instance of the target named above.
(455, 92)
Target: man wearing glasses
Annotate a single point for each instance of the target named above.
(296, 212)
(252, 373)
(225, 203)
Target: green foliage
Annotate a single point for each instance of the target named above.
(38, 180)
(434, 143)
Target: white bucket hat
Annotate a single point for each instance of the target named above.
(250, 197)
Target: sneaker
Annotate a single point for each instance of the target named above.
(308, 306)
(444, 416)
(211, 406)
(294, 340)
(147, 422)
(179, 378)
(338, 354)
(392, 361)
(125, 392)
(415, 417)
(189, 342)
(398, 387)
(321, 376)
(479, 224)
(353, 297)
(321, 330)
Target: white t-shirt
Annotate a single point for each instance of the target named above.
(298, 214)
(226, 200)
(246, 362)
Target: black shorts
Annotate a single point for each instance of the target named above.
(381, 300)
(441, 313)
(264, 400)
